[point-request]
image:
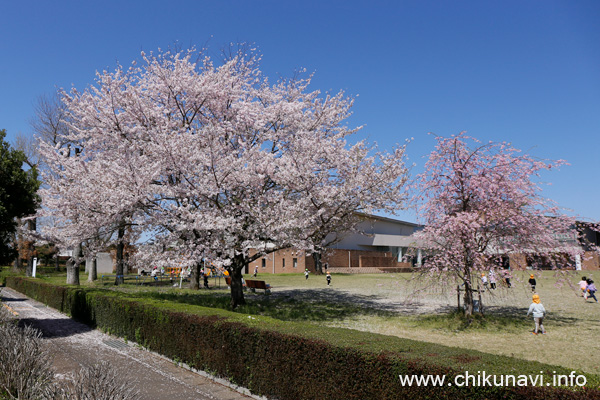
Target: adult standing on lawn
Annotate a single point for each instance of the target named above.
(539, 312)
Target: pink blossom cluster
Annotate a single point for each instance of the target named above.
(204, 161)
(481, 201)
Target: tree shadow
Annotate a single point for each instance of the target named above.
(519, 313)
(55, 327)
(298, 305)
(322, 305)
(11, 299)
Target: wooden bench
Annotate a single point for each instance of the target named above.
(137, 278)
(253, 285)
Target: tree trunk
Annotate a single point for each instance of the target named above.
(93, 272)
(29, 268)
(16, 263)
(57, 263)
(318, 263)
(195, 276)
(31, 225)
(237, 289)
(120, 247)
(73, 267)
(468, 299)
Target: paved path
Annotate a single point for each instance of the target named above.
(73, 345)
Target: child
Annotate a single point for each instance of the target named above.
(205, 279)
(484, 280)
(532, 282)
(591, 289)
(507, 278)
(328, 278)
(583, 286)
(539, 312)
(492, 280)
(306, 273)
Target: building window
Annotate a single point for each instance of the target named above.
(295, 262)
(264, 263)
(283, 263)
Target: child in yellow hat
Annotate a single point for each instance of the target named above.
(539, 312)
(532, 282)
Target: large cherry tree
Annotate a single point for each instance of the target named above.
(214, 162)
(480, 201)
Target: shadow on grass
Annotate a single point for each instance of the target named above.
(288, 305)
(323, 305)
(499, 318)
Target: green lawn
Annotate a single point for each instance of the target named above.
(388, 304)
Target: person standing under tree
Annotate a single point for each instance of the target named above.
(205, 279)
(539, 312)
(484, 280)
(507, 278)
(306, 273)
(492, 276)
(328, 278)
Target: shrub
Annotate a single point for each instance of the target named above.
(294, 360)
(25, 371)
(98, 382)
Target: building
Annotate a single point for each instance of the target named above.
(387, 245)
(383, 245)
(584, 236)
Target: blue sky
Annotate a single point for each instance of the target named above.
(527, 72)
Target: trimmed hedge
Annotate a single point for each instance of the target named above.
(290, 360)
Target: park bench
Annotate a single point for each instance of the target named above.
(125, 277)
(253, 285)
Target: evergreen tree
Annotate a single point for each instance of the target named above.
(18, 196)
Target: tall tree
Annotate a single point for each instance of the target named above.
(482, 200)
(18, 196)
(49, 124)
(216, 162)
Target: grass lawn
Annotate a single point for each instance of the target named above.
(387, 304)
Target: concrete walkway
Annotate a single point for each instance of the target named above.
(73, 345)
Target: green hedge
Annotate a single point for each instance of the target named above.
(291, 360)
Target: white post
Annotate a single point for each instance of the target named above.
(349, 264)
(399, 254)
(34, 266)
(577, 262)
(419, 257)
(273, 263)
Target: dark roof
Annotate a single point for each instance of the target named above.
(396, 221)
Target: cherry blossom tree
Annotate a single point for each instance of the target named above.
(480, 201)
(214, 162)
